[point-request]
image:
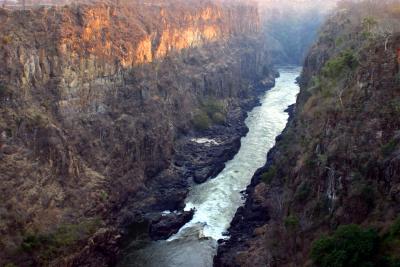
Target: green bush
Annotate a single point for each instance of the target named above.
(211, 111)
(348, 246)
(291, 223)
(397, 78)
(212, 106)
(3, 89)
(267, 176)
(303, 191)
(201, 121)
(335, 67)
(389, 148)
(339, 41)
(34, 241)
(390, 246)
(218, 118)
(394, 231)
(64, 236)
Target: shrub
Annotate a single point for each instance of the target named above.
(369, 23)
(368, 196)
(397, 78)
(218, 118)
(390, 246)
(335, 67)
(395, 229)
(339, 41)
(291, 223)
(7, 39)
(211, 111)
(212, 106)
(267, 176)
(33, 241)
(348, 246)
(389, 148)
(54, 243)
(3, 89)
(201, 121)
(103, 195)
(321, 206)
(303, 191)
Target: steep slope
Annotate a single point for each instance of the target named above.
(96, 101)
(337, 162)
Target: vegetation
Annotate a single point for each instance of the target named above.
(58, 241)
(3, 89)
(291, 223)
(218, 118)
(103, 195)
(390, 147)
(397, 77)
(368, 24)
(201, 121)
(212, 111)
(336, 67)
(351, 245)
(364, 192)
(267, 176)
(7, 39)
(303, 191)
(348, 246)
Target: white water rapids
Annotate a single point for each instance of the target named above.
(217, 200)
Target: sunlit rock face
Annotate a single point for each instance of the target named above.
(94, 97)
(94, 43)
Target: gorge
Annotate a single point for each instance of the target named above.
(216, 201)
(184, 133)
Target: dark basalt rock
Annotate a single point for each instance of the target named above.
(168, 224)
(200, 176)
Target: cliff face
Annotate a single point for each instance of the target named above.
(93, 101)
(337, 162)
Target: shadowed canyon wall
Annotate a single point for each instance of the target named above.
(337, 162)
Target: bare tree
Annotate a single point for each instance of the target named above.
(386, 28)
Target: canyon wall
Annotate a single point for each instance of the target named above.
(291, 27)
(94, 100)
(337, 162)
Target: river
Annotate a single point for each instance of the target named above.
(217, 200)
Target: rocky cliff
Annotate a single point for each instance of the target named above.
(98, 102)
(337, 162)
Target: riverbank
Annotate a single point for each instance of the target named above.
(158, 212)
(215, 202)
(253, 214)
